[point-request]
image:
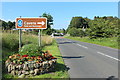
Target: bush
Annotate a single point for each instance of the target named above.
(76, 32)
(31, 50)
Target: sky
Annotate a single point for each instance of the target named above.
(62, 12)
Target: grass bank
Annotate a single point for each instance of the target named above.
(109, 42)
(60, 70)
(10, 42)
(10, 46)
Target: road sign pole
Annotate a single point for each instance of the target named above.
(39, 38)
(20, 40)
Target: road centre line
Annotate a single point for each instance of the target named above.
(108, 56)
(82, 46)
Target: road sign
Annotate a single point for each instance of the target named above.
(31, 23)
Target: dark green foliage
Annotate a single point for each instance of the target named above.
(48, 31)
(7, 25)
(10, 25)
(78, 22)
(100, 27)
(4, 25)
(64, 31)
(76, 32)
(103, 28)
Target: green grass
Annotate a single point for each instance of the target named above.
(109, 42)
(10, 42)
(10, 46)
(60, 69)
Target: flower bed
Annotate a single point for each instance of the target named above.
(23, 65)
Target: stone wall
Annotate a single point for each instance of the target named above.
(30, 68)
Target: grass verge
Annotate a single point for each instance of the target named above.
(60, 70)
(109, 42)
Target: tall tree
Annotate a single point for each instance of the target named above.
(78, 22)
(10, 25)
(49, 23)
(4, 25)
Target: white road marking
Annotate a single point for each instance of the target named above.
(108, 56)
(82, 46)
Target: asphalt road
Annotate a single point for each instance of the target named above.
(87, 60)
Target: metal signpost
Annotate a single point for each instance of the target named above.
(31, 23)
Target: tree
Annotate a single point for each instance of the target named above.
(76, 32)
(49, 23)
(13, 24)
(64, 31)
(78, 22)
(4, 25)
(10, 25)
(73, 32)
(102, 28)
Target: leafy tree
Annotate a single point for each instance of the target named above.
(13, 24)
(64, 31)
(76, 32)
(78, 22)
(4, 25)
(49, 23)
(81, 33)
(73, 32)
(10, 25)
(102, 28)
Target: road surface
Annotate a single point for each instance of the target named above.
(87, 60)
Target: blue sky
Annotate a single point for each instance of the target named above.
(62, 12)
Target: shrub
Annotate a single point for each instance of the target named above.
(76, 32)
(31, 50)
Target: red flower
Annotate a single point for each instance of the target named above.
(50, 55)
(53, 58)
(33, 57)
(18, 55)
(25, 56)
(39, 56)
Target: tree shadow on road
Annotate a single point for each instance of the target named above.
(71, 57)
(67, 42)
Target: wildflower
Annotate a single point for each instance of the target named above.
(25, 56)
